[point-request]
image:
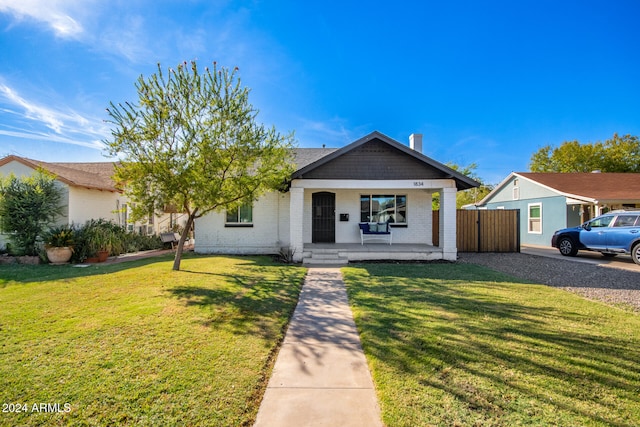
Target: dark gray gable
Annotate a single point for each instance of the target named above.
(378, 157)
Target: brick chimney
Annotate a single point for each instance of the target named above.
(415, 142)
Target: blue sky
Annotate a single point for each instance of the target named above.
(485, 82)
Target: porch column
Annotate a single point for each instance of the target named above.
(296, 221)
(448, 224)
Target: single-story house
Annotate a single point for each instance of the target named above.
(88, 193)
(374, 179)
(551, 201)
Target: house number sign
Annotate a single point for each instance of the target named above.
(418, 183)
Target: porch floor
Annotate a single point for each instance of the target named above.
(342, 253)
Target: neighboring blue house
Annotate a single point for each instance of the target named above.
(551, 201)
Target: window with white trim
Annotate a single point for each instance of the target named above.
(241, 216)
(535, 218)
(390, 208)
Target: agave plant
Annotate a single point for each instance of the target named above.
(59, 237)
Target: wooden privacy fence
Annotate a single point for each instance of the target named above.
(484, 230)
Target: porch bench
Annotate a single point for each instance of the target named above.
(374, 231)
(171, 238)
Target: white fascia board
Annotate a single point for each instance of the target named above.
(402, 184)
(574, 202)
(577, 200)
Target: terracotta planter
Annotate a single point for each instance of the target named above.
(59, 255)
(102, 256)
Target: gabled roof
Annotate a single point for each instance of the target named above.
(590, 187)
(96, 175)
(462, 182)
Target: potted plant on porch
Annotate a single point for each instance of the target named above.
(58, 243)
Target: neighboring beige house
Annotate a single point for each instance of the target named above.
(88, 193)
(374, 179)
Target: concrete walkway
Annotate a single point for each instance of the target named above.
(320, 377)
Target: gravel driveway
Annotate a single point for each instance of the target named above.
(610, 285)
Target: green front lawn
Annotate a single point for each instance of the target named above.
(139, 344)
(455, 344)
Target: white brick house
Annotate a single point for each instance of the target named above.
(374, 179)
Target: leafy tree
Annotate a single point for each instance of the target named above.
(618, 154)
(192, 142)
(28, 206)
(469, 196)
(622, 154)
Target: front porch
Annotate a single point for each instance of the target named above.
(342, 253)
(330, 230)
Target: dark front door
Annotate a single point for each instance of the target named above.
(323, 227)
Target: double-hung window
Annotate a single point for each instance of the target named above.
(383, 208)
(535, 218)
(241, 216)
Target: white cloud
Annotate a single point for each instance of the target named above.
(127, 36)
(115, 28)
(35, 121)
(57, 15)
(96, 144)
(49, 117)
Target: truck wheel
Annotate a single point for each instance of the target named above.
(567, 247)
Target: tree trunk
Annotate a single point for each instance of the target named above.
(183, 238)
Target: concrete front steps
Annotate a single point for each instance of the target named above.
(325, 257)
(342, 253)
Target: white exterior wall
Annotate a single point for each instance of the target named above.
(285, 220)
(86, 204)
(269, 233)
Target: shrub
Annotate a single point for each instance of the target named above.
(285, 255)
(28, 205)
(99, 234)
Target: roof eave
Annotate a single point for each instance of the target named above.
(43, 165)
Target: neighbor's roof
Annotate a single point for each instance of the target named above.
(596, 186)
(592, 187)
(96, 175)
